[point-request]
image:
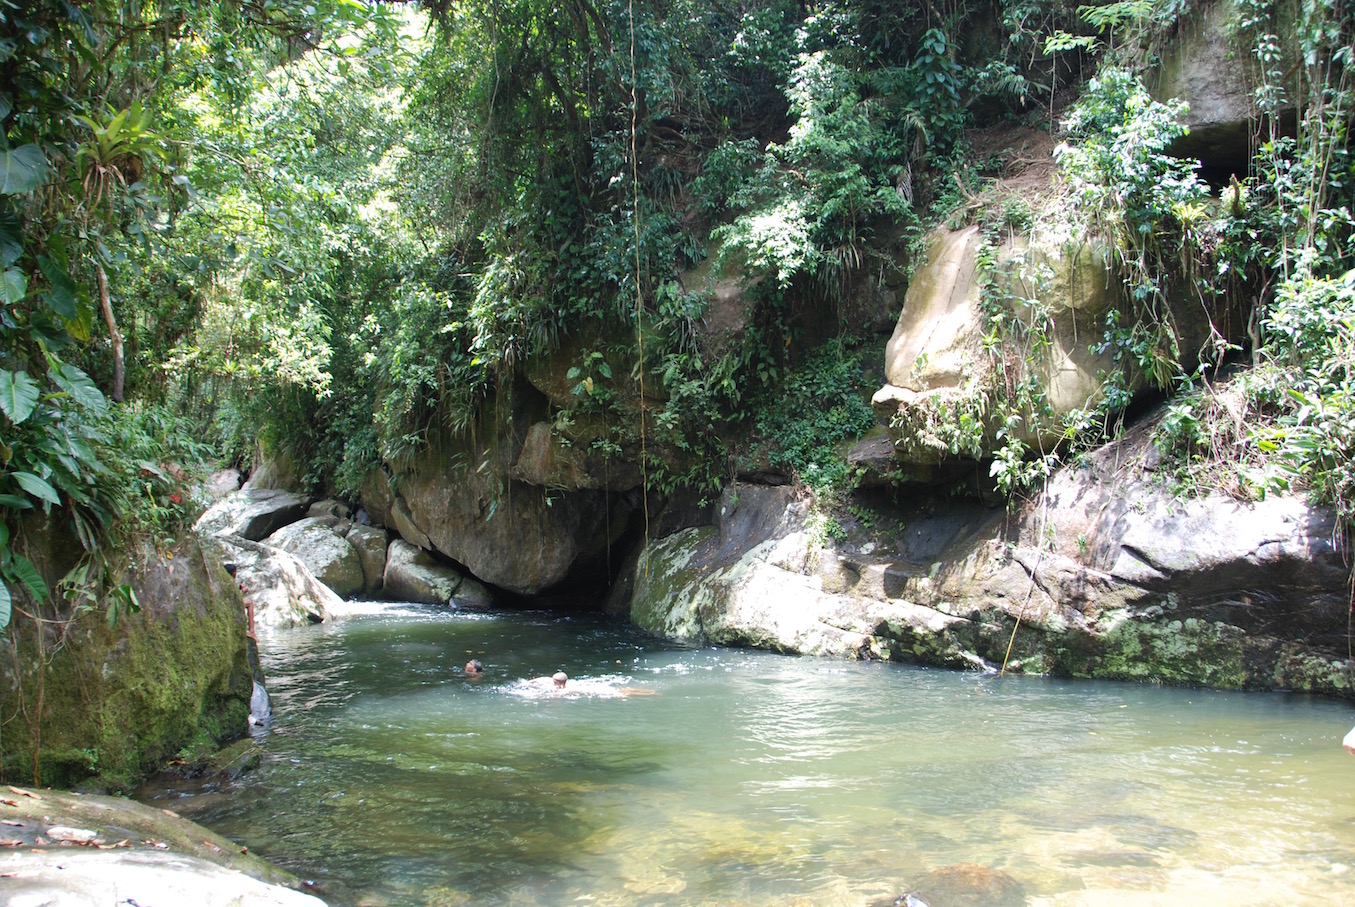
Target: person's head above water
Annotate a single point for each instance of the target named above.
(474, 667)
(560, 678)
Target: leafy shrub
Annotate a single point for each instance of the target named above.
(817, 407)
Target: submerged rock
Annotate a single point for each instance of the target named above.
(966, 885)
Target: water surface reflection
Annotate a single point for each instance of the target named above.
(750, 778)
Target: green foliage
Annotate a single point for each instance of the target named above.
(1145, 201)
(22, 169)
(1312, 330)
(819, 406)
(1283, 238)
(89, 208)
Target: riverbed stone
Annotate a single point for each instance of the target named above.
(253, 514)
(415, 575)
(319, 543)
(221, 484)
(284, 591)
(967, 885)
(336, 512)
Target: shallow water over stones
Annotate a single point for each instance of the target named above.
(752, 778)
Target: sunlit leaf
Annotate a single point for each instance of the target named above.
(81, 388)
(81, 327)
(13, 286)
(18, 395)
(6, 605)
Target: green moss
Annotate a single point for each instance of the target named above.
(118, 701)
(1308, 672)
(666, 601)
(1190, 652)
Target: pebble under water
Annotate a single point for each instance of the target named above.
(743, 777)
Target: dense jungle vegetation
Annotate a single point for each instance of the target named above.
(333, 226)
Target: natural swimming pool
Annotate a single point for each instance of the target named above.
(754, 778)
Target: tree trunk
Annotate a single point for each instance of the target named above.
(114, 334)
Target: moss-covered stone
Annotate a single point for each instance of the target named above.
(669, 597)
(1189, 652)
(102, 705)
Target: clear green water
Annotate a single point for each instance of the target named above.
(752, 778)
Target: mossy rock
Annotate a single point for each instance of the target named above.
(119, 700)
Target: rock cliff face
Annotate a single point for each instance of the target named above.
(1206, 67)
(116, 700)
(936, 364)
(1105, 575)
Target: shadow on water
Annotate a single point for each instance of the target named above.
(751, 778)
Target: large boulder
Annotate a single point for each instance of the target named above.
(556, 459)
(220, 484)
(276, 471)
(119, 696)
(747, 581)
(940, 370)
(1052, 292)
(414, 575)
(370, 542)
(1106, 575)
(459, 497)
(319, 543)
(253, 514)
(284, 593)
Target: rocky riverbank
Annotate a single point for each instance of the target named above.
(1105, 574)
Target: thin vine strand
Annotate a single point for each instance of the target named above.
(639, 296)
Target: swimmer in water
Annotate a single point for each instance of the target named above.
(552, 684)
(475, 669)
(558, 684)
